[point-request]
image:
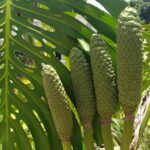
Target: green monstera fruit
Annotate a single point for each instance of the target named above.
(58, 103)
(104, 78)
(83, 86)
(129, 59)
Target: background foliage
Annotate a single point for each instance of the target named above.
(143, 7)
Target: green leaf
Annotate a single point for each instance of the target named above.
(100, 20)
(114, 7)
(32, 33)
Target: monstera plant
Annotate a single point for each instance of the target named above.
(31, 32)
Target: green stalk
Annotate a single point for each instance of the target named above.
(88, 139)
(66, 146)
(127, 134)
(107, 137)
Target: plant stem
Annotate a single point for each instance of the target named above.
(107, 137)
(88, 139)
(127, 134)
(66, 146)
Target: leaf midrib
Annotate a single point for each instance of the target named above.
(7, 46)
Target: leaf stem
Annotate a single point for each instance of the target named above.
(88, 139)
(127, 134)
(107, 137)
(66, 146)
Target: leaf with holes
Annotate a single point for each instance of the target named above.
(29, 36)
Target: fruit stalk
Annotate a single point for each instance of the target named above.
(88, 139)
(107, 136)
(67, 146)
(127, 134)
